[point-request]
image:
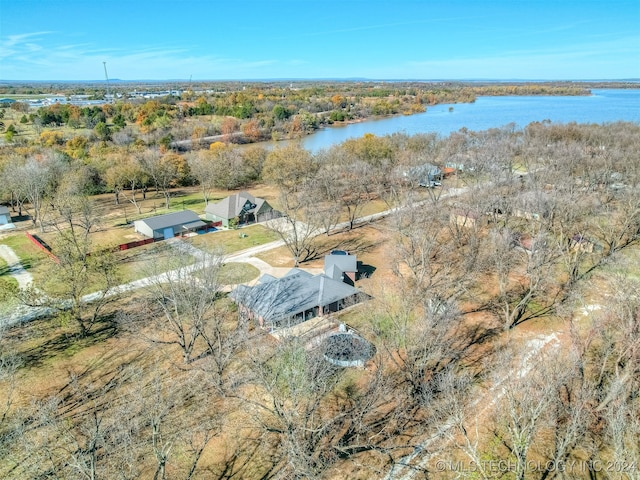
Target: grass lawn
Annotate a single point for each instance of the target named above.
(144, 261)
(4, 270)
(32, 258)
(279, 257)
(358, 241)
(233, 273)
(8, 284)
(235, 240)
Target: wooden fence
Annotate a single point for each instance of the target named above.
(41, 245)
(138, 243)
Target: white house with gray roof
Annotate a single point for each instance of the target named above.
(241, 207)
(169, 224)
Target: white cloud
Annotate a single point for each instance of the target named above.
(28, 57)
(15, 44)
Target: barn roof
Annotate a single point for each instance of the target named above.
(174, 219)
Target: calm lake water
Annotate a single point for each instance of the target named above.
(603, 106)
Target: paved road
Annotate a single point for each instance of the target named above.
(24, 313)
(16, 270)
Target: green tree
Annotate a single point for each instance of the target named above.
(103, 131)
(10, 133)
(279, 112)
(119, 120)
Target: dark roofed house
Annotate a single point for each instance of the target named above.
(580, 243)
(169, 224)
(241, 207)
(295, 298)
(425, 175)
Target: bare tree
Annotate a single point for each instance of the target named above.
(521, 265)
(435, 267)
(162, 170)
(77, 433)
(295, 227)
(294, 383)
(526, 398)
(10, 364)
(184, 300)
(35, 181)
(201, 164)
(82, 278)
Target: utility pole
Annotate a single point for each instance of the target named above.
(106, 77)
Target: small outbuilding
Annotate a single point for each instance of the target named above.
(5, 218)
(169, 225)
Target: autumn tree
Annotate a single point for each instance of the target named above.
(229, 126)
(251, 130)
(288, 167)
(228, 168)
(254, 158)
(370, 149)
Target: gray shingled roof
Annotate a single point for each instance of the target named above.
(333, 271)
(231, 207)
(171, 219)
(346, 263)
(294, 293)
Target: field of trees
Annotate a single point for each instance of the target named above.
(505, 309)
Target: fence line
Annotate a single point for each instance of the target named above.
(38, 243)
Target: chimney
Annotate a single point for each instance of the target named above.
(320, 294)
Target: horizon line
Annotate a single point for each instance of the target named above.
(335, 79)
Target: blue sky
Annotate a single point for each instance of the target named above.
(285, 39)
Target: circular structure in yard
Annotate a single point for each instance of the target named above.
(347, 350)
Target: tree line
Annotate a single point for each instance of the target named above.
(266, 111)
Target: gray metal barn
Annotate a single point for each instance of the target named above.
(169, 224)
